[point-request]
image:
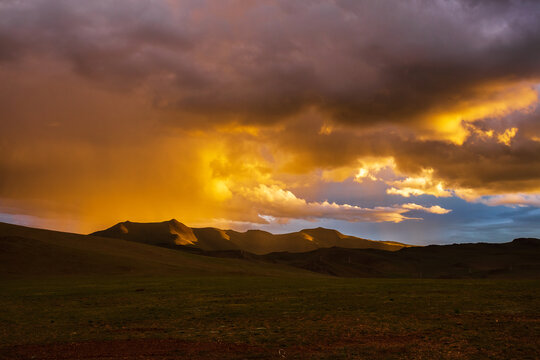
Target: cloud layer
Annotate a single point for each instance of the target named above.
(240, 109)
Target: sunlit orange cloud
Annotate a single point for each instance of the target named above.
(419, 185)
(364, 168)
(488, 101)
(507, 136)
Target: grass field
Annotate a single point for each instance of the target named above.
(239, 317)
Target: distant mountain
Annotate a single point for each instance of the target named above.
(172, 234)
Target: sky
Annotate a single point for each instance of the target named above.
(413, 121)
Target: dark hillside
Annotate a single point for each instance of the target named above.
(516, 259)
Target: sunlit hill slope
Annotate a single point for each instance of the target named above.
(173, 233)
(28, 251)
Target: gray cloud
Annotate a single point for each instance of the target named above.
(358, 61)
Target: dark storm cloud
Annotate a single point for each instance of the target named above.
(491, 166)
(358, 61)
(481, 162)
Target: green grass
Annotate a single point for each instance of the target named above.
(313, 317)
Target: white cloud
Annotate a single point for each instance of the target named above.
(272, 201)
(436, 209)
(511, 200)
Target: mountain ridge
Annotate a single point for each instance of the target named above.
(28, 251)
(173, 233)
(33, 252)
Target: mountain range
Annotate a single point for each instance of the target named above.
(173, 234)
(173, 248)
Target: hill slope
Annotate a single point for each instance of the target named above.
(173, 233)
(517, 259)
(28, 251)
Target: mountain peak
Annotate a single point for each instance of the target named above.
(320, 229)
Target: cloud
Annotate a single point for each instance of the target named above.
(210, 110)
(481, 163)
(211, 58)
(436, 209)
(278, 203)
(511, 200)
(507, 136)
(418, 185)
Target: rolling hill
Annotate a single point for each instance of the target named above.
(173, 233)
(26, 251)
(330, 252)
(517, 259)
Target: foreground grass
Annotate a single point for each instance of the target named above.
(280, 317)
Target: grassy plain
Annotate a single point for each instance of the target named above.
(246, 317)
